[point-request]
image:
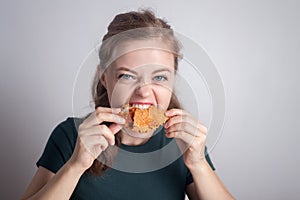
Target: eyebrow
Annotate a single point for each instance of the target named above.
(134, 72)
(162, 70)
(126, 69)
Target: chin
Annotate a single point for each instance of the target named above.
(135, 134)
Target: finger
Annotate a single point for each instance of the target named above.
(91, 140)
(185, 137)
(195, 128)
(202, 128)
(103, 143)
(101, 130)
(108, 134)
(180, 119)
(97, 118)
(108, 110)
(115, 128)
(109, 117)
(175, 111)
(89, 131)
(92, 144)
(99, 147)
(186, 119)
(89, 121)
(188, 139)
(186, 127)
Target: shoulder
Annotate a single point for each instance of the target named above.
(71, 123)
(60, 145)
(65, 132)
(68, 126)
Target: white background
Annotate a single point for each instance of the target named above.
(255, 46)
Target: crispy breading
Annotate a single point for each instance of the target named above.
(143, 120)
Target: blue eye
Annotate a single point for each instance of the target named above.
(160, 78)
(126, 76)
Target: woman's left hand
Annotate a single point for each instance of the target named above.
(189, 133)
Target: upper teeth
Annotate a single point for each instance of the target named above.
(141, 106)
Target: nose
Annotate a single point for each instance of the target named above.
(143, 90)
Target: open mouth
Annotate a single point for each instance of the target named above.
(142, 118)
(140, 106)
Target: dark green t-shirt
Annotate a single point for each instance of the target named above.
(154, 170)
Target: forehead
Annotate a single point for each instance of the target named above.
(143, 57)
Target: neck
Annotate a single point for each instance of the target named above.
(134, 139)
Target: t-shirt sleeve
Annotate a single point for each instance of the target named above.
(59, 147)
(189, 177)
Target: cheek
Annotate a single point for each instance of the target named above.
(119, 94)
(163, 96)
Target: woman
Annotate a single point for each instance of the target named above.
(83, 160)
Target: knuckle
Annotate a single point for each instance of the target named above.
(102, 129)
(201, 129)
(185, 117)
(104, 144)
(202, 139)
(180, 118)
(195, 132)
(81, 127)
(205, 129)
(196, 142)
(184, 126)
(180, 134)
(170, 129)
(175, 134)
(96, 151)
(98, 116)
(80, 140)
(174, 126)
(98, 109)
(81, 130)
(100, 138)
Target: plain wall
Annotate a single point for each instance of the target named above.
(255, 46)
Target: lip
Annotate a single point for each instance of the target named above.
(141, 103)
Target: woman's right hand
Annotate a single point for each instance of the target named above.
(94, 137)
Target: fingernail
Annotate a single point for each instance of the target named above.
(167, 113)
(116, 110)
(121, 120)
